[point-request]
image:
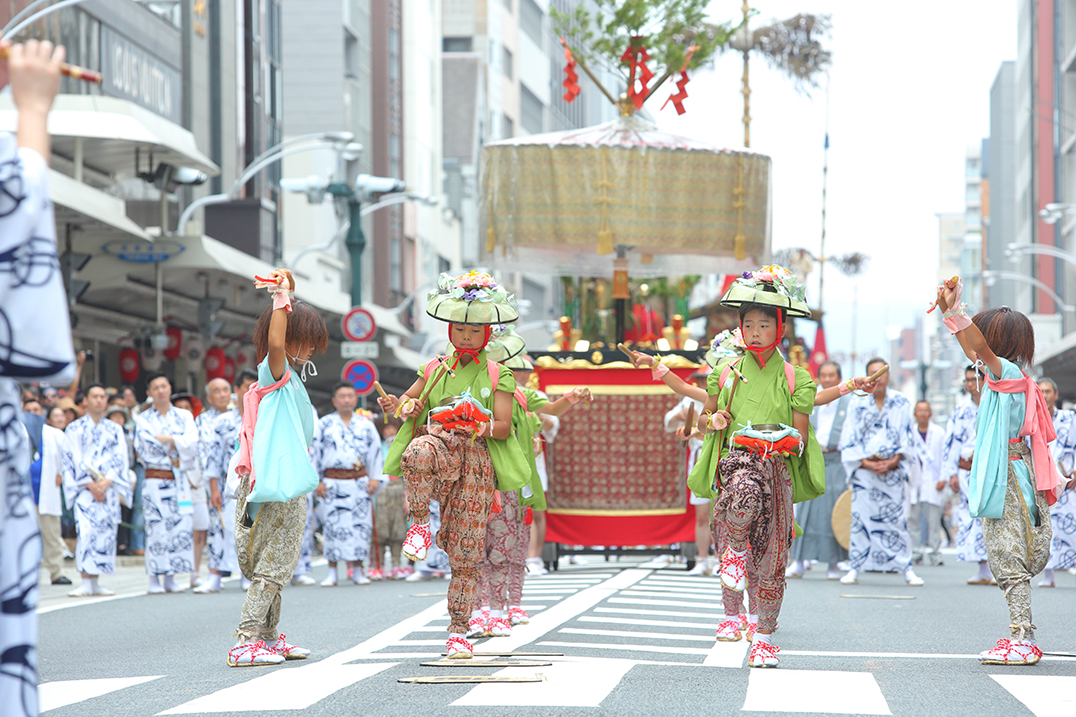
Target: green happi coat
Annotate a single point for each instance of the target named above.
(509, 462)
(765, 398)
(526, 425)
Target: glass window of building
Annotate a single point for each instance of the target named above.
(507, 63)
(530, 111)
(531, 20)
(456, 44)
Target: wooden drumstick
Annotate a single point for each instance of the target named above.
(380, 391)
(627, 352)
(74, 71)
(689, 423)
(877, 374)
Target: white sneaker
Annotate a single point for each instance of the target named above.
(851, 578)
(536, 567)
(303, 579)
(252, 653)
(699, 569)
(912, 579)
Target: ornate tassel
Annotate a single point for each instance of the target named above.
(605, 241)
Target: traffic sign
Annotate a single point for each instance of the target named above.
(361, 374)
(358, 324)
(360, 349)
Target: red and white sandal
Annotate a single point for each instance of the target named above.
(253, 654)
(518, 616)
(1011, 652)
(478, 626)
(457, 648)
(729, 631)
(499, 627)
(763, 654)
(734, 570)
(417, 542)
(289, 652)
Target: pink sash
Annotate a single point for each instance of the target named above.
(1039, 424)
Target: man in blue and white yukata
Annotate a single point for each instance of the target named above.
(1063, 512)
(95, 481)
(346, 452)
(35, 345)
(879, 454)
(166, 440)
(218, 443)
(956, 467)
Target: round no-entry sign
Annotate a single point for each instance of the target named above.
(361, 374)
(358, 324)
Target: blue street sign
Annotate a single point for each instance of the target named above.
(361, 374)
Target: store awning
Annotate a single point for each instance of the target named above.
(110, 130)
(96, 215)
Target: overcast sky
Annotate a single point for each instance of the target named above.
(909, 91)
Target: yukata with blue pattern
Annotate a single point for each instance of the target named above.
(960, 443)
(35, 345)
(1063, 512)
(94, 451)
(880, 539)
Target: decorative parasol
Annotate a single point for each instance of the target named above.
(627, 183)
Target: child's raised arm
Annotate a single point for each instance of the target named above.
(677, 384)
(971, 339)
(278, 328)
(34, 69)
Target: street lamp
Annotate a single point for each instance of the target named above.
(1052, 212)
(391, 191)
(339, 141)
(1014, 251)
(992, 276)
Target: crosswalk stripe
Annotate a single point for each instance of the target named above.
(650, 623)
(656, 603)
(635, 635)
(665, 588)
(53, 695)
(567, 686)
(282, 689)
(727, 654)
(666, 650)
(1044, 695)
(716, 612)
(696, 579)
(678, 596)
(825, 691)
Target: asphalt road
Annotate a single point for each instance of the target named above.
(637, 640)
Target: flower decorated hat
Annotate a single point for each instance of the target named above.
(473, 298)
(520, 362)
(726, 345)
(503, 344)
(772, 285)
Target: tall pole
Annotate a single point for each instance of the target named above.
(825, 176)
(355, 240)
(745, 87)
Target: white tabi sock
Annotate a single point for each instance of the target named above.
(93, 581)
(753, 619)
(214, 581)
(732, 618)
(154, 581)
(984, 569)
(169, 582)
(764, 639)
(476, 613)
(1047, 576)
(87, 585)
(494, 613)
(456, 634)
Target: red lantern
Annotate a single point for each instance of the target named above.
(229, 369)
(129, 365)
(214, 363)
(175, 342)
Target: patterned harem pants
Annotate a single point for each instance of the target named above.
(755, 507)
(454, 469)
(505, 561)
(1017, 550)
(268, 551)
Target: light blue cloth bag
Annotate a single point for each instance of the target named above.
(282, 436)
